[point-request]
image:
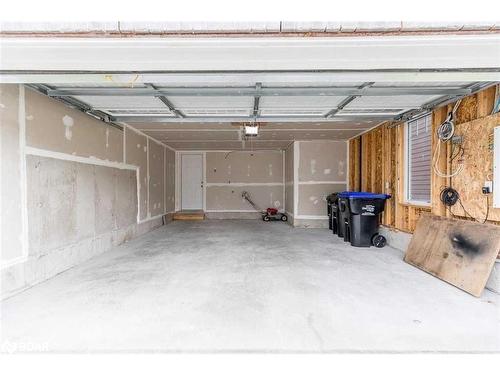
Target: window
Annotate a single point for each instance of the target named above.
(418, 160)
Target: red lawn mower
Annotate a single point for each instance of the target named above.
(270, 214)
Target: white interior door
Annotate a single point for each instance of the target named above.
(191, 181)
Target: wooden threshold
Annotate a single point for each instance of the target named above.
(189, 215)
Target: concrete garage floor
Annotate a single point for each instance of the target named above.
(248, 286)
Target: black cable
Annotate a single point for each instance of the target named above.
(450, 197)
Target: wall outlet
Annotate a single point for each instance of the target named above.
(487, 187)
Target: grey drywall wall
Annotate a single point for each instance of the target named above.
(170, 183)
(69, 202)
(322, 170)
(137, 154)
(323, 161)
(50, 125)
(156, 179)
(289, 178)
(80, 198)
(258, 167)
(229, 198)
(10, 184)
(229, 174)
(312, 198)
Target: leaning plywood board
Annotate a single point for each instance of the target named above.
(459, 252)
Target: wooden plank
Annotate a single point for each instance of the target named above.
(438, 183)
(459, 252)
(189, 215)
(485, 101)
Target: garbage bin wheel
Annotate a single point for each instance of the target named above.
(378, 240)
(266, 218)
(284, 218)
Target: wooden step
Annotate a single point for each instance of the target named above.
(189, 215)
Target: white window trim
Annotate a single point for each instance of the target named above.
(406, 185)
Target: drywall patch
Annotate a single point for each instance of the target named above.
(270, 166)
(327, 171)
(313, 166)
(341, 170)
(107, 137)
(30, 117)
(68, 123)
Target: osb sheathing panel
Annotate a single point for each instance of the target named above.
(50, 125)
(478, 167)
(69, 202)
(404, 216)
(289, 178)
(10, 177)
(137, 154)
(241, 167)
(312, 198)
(156, 177)
(229, 197)
(323, 161)
(170, 182)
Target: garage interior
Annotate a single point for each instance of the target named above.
(127, 150)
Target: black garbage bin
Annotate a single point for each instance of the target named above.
(361, 218)
(332, 209)
(342, 214)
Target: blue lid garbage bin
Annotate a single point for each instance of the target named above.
(360, 216)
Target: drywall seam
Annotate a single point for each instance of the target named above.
(321, 182)
(79, 159)
(124, 146)
(296, 158)
(244, 184)
(148, 178)
(231, 211)
(165, 209)
(177, 181)
(22, 155)
(347, 165)
(145, 135)
(283, 166)
(204, 172)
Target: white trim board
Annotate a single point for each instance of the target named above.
(239, 184)
(79, 159)
(296, 162)
(23, 172)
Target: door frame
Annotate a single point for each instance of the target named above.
(178, 178)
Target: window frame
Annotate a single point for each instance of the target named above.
(407, 161)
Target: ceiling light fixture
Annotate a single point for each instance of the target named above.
(251, 130)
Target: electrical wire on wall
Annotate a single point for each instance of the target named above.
(449, 197)
(445, 133)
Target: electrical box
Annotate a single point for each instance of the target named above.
(496, 167)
